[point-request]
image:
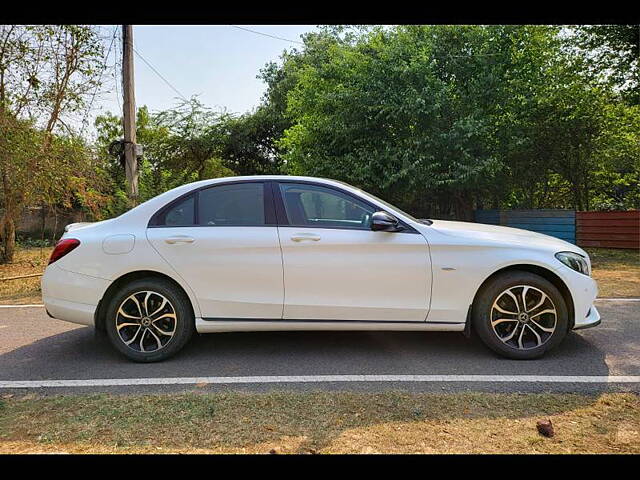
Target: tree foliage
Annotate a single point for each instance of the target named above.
(613, 52)
(444, 119)
(47, 74)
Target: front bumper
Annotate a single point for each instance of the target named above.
(584, 291)
(591, 320)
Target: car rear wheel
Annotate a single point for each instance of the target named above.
(149, 320)
(520, 315)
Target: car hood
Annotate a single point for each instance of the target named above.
(483, 233)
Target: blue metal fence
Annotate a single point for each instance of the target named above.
(557, 223)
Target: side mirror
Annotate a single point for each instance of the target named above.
(385, 222)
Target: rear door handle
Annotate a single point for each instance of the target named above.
(299, 237)
(179, 239)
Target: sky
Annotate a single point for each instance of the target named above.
(217, 63)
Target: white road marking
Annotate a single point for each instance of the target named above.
(21, 306)
(112, 382)
(617, 299)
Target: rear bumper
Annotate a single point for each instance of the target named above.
(69, 311)
(70, 296)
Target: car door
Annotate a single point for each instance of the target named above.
(223, 241)
(337, 268)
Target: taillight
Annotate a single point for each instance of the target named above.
(63, 247)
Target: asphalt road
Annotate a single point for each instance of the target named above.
(36, 347)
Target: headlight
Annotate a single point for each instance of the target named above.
(574, 261)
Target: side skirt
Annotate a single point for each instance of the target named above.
(231, 325)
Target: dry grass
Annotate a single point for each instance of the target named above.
(617, 271)
(320, 422)
(23, 291)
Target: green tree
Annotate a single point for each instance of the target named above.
(412, 112)
(47, 73)
(152, 179)
(181, 145)
(613, 52)
(444, 119)
(194, 139)
(249, 142)
(615, 183)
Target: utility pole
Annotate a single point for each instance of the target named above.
(129, 114)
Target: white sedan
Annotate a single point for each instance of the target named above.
(300, 253)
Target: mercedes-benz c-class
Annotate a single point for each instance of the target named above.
(300, 253)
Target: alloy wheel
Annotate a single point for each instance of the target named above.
(146, 321)
(523, 317)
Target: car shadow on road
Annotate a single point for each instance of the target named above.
(79, 354)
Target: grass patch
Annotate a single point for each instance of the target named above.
(617, 271)
(322, 422)
(25, 262)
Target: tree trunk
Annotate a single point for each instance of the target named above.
(577, 197)
(55, 224)
(464, 208)
(587, 194)
(8, 226)
(8, 239)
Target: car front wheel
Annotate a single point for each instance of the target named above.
(520, 315)
(149, 320)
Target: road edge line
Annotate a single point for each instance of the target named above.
(270, 379)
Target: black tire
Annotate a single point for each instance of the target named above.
(483, 312)
(99, 334)
(178, 304)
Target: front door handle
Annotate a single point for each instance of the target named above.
(299, 237)
(179, 239)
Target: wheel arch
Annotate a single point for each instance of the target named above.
(544, 273)
(99, 316)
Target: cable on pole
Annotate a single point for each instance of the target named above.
(266, 34)
(95, 90)
(160, 75)
(116, 79)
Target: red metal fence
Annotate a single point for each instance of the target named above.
(608, 229)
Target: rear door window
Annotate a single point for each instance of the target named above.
(239, 204)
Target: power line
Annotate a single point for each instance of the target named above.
(266, 34)
(301, 43)
(160, 75)
(106, 57)
(119, 99)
